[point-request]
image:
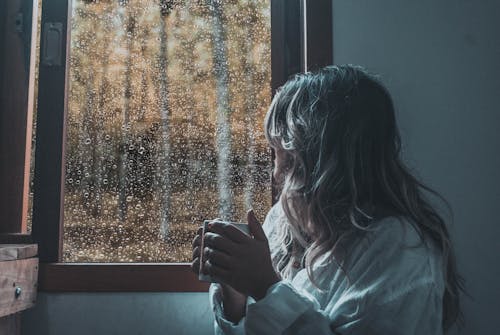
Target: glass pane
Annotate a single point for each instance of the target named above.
(164, 129)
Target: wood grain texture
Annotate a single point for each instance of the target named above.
(19, 273)
(14, 83)
(119, 277)
(10, 252)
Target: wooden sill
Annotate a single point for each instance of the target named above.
(119, 277)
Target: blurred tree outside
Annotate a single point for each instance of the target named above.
(166, 105)
(163, 172)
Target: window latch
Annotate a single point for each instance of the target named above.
(53, 39)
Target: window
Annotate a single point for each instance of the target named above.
(149, 109)
(163, 128)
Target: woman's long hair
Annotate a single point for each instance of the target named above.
(337, 132)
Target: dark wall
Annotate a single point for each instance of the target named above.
(441, 61)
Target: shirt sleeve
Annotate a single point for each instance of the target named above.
(396, 285)
(391, 291)
(286, 311)
(415, 311)
(222, 326)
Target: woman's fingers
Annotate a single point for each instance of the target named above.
(195, 265)
(218, 258)
(221, 243)
(197, 238)
(196, 252)
(218, 273)
(229, 231)
(196, 241)
(255, 227)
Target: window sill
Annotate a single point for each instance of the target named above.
(119, 277)
(15, 238)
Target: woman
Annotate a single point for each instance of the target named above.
(352, 246)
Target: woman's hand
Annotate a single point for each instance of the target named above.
(238, 260)
(234, 301)
(195, 263)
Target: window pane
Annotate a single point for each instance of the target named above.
(164, 128)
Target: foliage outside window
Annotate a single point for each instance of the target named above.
(164, 128)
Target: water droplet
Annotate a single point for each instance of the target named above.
(107, 226)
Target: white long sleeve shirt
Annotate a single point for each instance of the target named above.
(390, 289)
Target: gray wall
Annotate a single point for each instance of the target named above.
(441, 61)
(120, 314)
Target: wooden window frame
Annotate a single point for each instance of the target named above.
(18, 28)
(289, 55)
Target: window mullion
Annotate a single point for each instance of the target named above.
(319, 33)
(51, 115)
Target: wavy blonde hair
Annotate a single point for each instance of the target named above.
(337, 131)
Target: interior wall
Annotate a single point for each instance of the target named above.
(441, 62)
(119, 314)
